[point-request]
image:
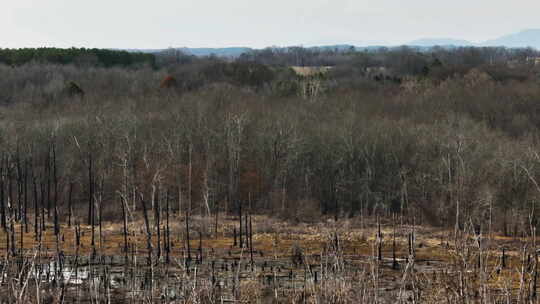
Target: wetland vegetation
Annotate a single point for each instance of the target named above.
(385, 176)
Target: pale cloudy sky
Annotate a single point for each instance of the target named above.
(255, 23)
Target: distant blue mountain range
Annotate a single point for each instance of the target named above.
(430, 42)
(525, 38)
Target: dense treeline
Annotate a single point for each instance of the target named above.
(78, 56)
(447, 150)
(402, 60)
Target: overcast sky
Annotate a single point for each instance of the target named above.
(255, 23)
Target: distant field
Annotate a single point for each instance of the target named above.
(310, 70)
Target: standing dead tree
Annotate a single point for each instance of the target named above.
(149, 246)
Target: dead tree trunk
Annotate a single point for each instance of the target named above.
(25, 191)
(36, 210)
(42, 208)
(90, 190)
(12, 232)
(167, 231)
(55, 177)
(240, 222)
(395, 264)
(70, 203)
(91, 212)
(157, 219)
(125, 230)
(251, 241)
(200, 259)
(379, 240)
(188, 248)
(148, 232)
(216, 220)
(48, 173)
(2, 196)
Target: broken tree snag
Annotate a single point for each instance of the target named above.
(99, 207)
(200, 258)
(409, 239)
(190, 175)
(240, 222)
(188, 248)
(77, 234)
(395, 264)
(10, 199)
(2, 196)
(36, 210)
(216, 220)
(21, 239)
(18, 211)
(55, 177)
(7, 241)
(70, 203)
(167, 230)
(125, 229)
(42, 208)
(251, 241)
(535, 277)
(12, 233)
(157, 220)
(48, 174)
(91, 212)
(25, 184)
(503, 258)
(90, 190)
(234, 236)
(148, 231)
(379, 239)
(246, 229)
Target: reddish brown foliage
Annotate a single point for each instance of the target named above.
(168, 82)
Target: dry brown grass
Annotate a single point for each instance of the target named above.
(310, 70)
(436, 256)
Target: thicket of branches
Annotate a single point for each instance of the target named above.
(446, 149)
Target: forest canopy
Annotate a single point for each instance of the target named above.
(79, 56)
(395, 130)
